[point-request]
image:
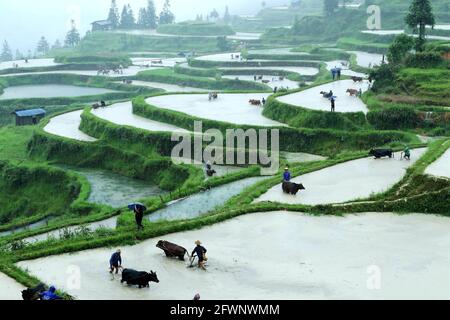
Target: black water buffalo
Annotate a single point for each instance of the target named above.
(210, 172)
(172, 250)
(292, 188)
(380, 153)
(138, 278)
(33, 294)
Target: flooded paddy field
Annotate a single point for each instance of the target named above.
(67, 125)
(306, 260)
(232, 108)
(50, 91)
(122, 114)
(112, 189)
(348, 181)
(313, 99)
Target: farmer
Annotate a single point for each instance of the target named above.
(338, 72)
(115, 263)
(333, 104)
(139, 215)
(263, 101)
(275, 90)
(407, 153)
(360, 93)
(197, 297)
(200, 251)
(286, 175)
(50, 294)
(333, 73)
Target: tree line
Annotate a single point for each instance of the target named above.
(146, 18)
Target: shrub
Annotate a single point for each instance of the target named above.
(394, 118)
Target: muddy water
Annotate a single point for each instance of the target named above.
(110, 223)
(32, 63)
(167, 87)
(10, 289)
(273, 81)
(201, 203)
(32, 226)
(122, 114)
(347, 181)
(67, 126)
(115, 190)
(312, 99)
(278, 255)
(368, 60)
(441, 167)
(232, 108)
(306, 71)
(50, 91)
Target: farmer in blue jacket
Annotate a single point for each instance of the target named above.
(115, 262)
(50, 294)
(286, 175)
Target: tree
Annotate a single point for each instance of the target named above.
(330, 6)
(166, 16)
(57, 44)
(226, 16)
(113, 15)
(296, 28)
(19, 55)
(399, 49)
(43, 47)
(214, 15)
(142, 18)
(420, 15)
(127, 20)
(6, 52)
(152, 19)
(73, 36)
(222, 44)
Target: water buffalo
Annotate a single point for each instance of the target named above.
(210, 172)
(357, 79)
(353, 92)
(292, 188)
(380, 153)
(172, 250)
(33, 294)
(254, 102)
(138, 278)
(326, 95)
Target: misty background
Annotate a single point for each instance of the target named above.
(23, 22)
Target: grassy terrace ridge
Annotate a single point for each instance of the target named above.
(122, 42)
(196, 63)
(25, 192)
(172, 77)
(193, 28)
(317, 141)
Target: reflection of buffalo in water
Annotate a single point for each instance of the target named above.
(292, 188)
(380, 153)
(33, 294)
(138, 278)
(172, 250)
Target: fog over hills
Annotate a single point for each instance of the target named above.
(49, 18)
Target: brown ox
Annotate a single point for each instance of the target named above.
(353, 92)
(172, 250)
